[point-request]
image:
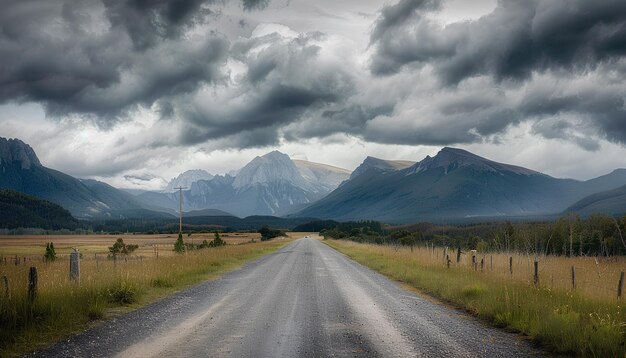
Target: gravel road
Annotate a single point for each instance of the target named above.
(306, 300)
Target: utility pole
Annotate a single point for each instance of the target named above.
(180, 194)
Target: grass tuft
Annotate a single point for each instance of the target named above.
(123, 293)
(472, 291)
(161, 282)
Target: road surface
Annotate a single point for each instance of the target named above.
(306, 300)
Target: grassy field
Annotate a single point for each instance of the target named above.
(107, 287)
(33, 246)
(587, 321)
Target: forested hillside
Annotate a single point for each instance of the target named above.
(21, 210)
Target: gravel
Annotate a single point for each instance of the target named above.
(305, 300)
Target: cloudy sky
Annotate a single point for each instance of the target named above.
(135, 92)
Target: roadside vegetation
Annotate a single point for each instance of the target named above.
(109, 284)
(572, 317)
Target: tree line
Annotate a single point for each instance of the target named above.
(571, 235)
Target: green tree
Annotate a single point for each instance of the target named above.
(217, 241)
(119, 247)
(179, 246)
(50, 254)
(268, 234)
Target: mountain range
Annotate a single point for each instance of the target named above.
(271, 184)
(455, 185)
(22, 171)
(451, 186)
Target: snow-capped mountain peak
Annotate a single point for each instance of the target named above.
(270, 168)
(187, 178)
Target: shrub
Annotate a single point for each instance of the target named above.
(179, 246)
(268, 234)
(217, 241)
(119, 247)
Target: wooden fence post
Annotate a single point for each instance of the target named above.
(7, 292)
(448, 260)
(573, 278)
(75, 265)
(474, 262)
(597, 267)
(482, 264)
(458, 255)
(620, 285)
(491, 262)
(17, 260)
(536, 278)
(32, 283)
(511, 264)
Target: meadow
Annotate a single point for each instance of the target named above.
(586, 319)
(106, 287)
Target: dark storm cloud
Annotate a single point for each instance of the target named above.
(597, 111)
(274, 92)
(465, 82)
(517, 38)
(395, 16)
(86, 58)
(548, 45)
(349, 118)
(484, 125)
(149, 21)
(562, 129)
(141, 177)
(250, 5)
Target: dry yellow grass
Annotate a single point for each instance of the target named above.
(594, 277)
(63, 306)
(33, 246)
(587, 321)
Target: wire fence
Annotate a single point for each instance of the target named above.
(595, 277)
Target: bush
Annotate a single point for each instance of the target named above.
(119, 247)
(217, 241)
(268, 234)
